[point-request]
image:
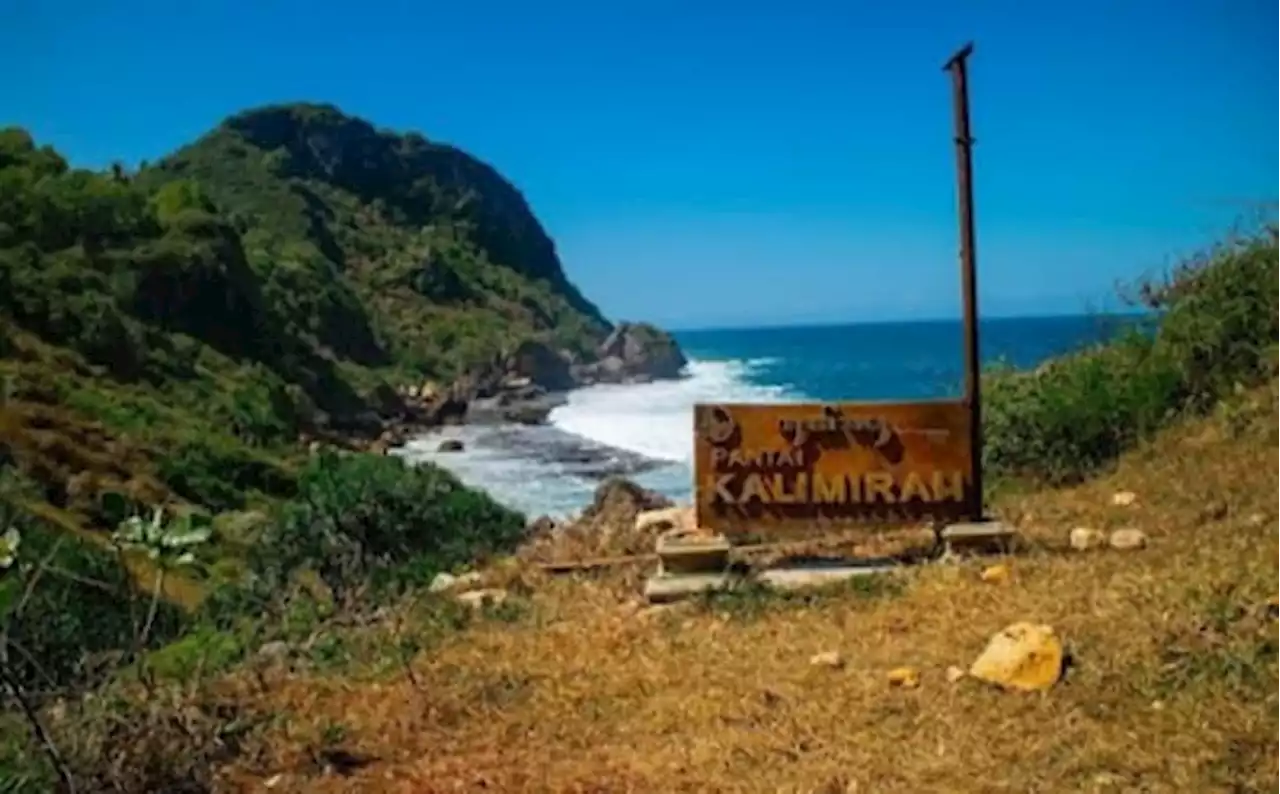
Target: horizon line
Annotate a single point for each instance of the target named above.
(776, 326)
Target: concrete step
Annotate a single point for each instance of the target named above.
(978, 537)
(693, 555)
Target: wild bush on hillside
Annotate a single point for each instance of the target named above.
(219, 475)
(363, 520)
(1217, 330)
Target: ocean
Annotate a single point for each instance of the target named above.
(644, 432)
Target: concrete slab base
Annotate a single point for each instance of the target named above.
(669, 588)
(804, 578)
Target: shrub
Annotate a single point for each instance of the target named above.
(1217, 329)
(362, 520)
(218, 475)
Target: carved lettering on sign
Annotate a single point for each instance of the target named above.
(796, 467)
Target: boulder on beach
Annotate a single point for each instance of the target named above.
(617, 492)
(607, 527)
(450, 445)
(541, 365)
(530, 413)
(644, 349)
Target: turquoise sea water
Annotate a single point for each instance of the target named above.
(887, 361)
(645, 431)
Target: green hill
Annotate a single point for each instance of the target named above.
(172, 332)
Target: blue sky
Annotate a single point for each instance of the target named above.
(723, 163)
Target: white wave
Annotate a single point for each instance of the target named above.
(656, 419)
(542, 470)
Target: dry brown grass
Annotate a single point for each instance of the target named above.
(1174, 688)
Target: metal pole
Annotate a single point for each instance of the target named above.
(968, 265)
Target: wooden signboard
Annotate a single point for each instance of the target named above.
(789, 470)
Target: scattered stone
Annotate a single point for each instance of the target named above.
(444, 582)
(677, 518)
(1024, 657)
(1107, 779)
(450, 445)
(1124, 498)
(1214, 510)
(904, 678)
(954, 674)
(831, 659)
(1128, 539)
(1086, 539)
(479, 598)
(995, 574)
(276, 649)
(542, 525)
(273, 781)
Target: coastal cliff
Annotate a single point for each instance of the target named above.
(294, 275)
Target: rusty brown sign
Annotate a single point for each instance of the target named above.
(794, 469)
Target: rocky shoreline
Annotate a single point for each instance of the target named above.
(522, 387)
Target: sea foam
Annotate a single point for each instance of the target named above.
(641, 431)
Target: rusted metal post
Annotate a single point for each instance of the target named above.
(968, 264)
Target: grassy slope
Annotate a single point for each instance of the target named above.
(1174, 687)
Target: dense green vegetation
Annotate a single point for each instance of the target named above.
(1217, 330)
(168, 336)
(278, 276)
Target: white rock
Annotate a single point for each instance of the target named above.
(479, 598)
(1128, 539)
(827, 659)
(1124, 498)
(1086, 539)
(444, 582)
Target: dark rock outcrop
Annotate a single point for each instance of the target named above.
(619, 495)
(542, 365)
(634, 352)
